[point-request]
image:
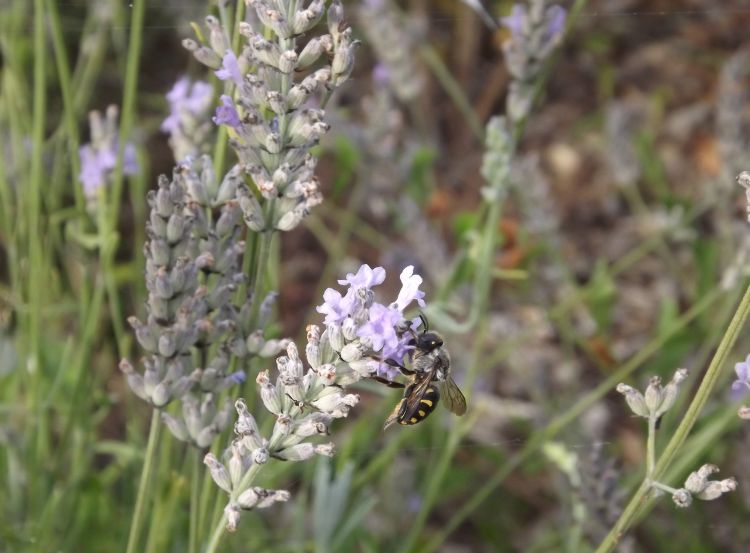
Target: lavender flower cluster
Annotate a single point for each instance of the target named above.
(535, 32)
(359, 333)
(394, 38)
(194, 325)
(272, 119)
(188, 124)
(99, 157)
(372, 328)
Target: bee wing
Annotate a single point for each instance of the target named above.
(453, 398)
(413, 399)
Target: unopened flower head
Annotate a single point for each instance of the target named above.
(698, 485)
(99, 157)
(657, 399)
(534, 33)
(188, 125)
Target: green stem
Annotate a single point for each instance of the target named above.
(256, 284)
(66, 89)
(195, 487)
(563, 420)
(650, 447)
(663, 487)
(126, 126)
(244, 484)
(691, 416)
(453, 89)
(144, 486)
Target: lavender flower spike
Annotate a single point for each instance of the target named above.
(188, 97)
(99, 158)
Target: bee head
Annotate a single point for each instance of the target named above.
(428, 341)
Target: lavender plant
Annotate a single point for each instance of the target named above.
(360, 335)
(204, 313)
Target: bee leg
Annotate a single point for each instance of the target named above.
(399, 366)
(389, 383)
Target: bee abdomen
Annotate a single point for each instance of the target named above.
(426, 406)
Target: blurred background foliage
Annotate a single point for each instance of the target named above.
(621, 252)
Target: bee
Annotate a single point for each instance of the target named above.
(429, 380)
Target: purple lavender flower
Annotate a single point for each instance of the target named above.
(741, 386)
(237, 377)
(226, 114)
(335, 307)
(381, 329)
(518, 21)
(409, 289)
(230, 69)
(186, 96)
(515, 21)
(98, 163)
(556, 16)
(366, 277)
(381, 75)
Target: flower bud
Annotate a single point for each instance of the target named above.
(145, 334)
(670, 391)
(306, 19)
(218, 472)
(236, 466)
(335, 18)
(248, 499)
(698, 480)
(217, 37)
(634, 399)
(167, 344)
(351, 352)
(349, 329)
(653, 396)
(310, 53)
(268, 393)
(176, 427)
(325, 449)
(289, 220)
(288, 61)
(232, 512)
(716, 488)
(682, 498)
(299, 452)
(260, 456)
(335, 337)
(135, 380)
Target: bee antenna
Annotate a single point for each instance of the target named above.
(425, 324)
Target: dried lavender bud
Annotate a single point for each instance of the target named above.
(634, 399)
